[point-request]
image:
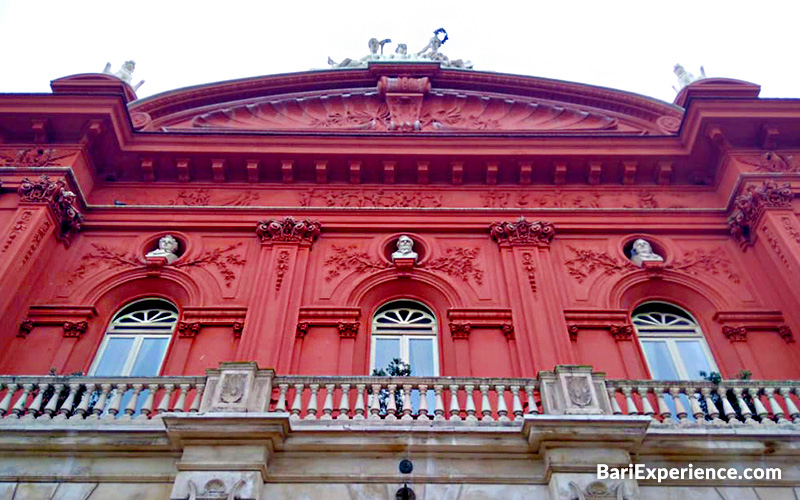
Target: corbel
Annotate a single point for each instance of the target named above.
(457, 172)
(423, 171)
(75, 329)
(147, 166)
(42, 130)
(287, 171)
(188, 330)
(595, 169)
(525, 173)
(321, 171)
(492, 169)
(355, 172)
(182, 165)
(389, 172)
(252, 170)
(629, 172)
(769, 137)
(218, 169)
(560, 173)
(664, 173)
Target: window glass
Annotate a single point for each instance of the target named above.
(660, 360)
(694, 358)
(406, 330)
(386, 349)
(420, 354)
(148, 360)
(114, 357)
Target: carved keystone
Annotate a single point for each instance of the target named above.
(574, 390)
(237, 387)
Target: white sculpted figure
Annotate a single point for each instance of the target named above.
(167, 246)
(685, 78)
(643, 252)
(125, 73)
(405, 249)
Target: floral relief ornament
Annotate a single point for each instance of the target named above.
(288, 230)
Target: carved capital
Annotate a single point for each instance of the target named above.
(621, 332)
(573, 332)
(302, 330)
(348, 330)
(60, 200)
(508, 332)
(238, 328)
(735, 334)
(523, 232)
(749, 206)
(75, 329)
(288, 230)
(785, 331)
(460, 330)
(188, 330)
(25, 328)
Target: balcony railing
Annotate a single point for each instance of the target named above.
(404, 400)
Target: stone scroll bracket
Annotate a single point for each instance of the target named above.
(62, 202)
(749, 207)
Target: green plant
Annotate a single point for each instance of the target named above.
(396, 368)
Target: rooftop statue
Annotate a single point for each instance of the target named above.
(125, 73)
(685, 78)
(429, 53)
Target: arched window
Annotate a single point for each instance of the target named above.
(136, 340)
(672, 341)
(406, 330)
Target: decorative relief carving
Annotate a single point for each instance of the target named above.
(749, 206)
(75, 329)
(523, 232)
(221, 258)
(60, 200)
(587, 262)
(233, 387)
(37, 239)
(791, 230)
(34, 157)
(579, 391)
(776, 247)
(367, 199)
(460, 330)
(348, 330)
(196, 198)
(508, 331)
(572, 330)
(530, 269)
(25, 328)
(621, 332)
(785, 331)
(302, 330)
(711, 262)
(238, 328)
(287, 230)
(771, 161)
(188, 330)
(19, 227)
(598, 490)
(735, 334)
(281, 266)
(346, 258)
(459, 262)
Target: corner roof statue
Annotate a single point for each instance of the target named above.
(125, 73)
(429, 53)
(685, 78)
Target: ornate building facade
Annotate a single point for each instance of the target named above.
(198, 286)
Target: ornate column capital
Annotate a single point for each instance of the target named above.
(288, 230)
(621, 332)
(188, 330)
(460, 330)
(302, 329)
(60, 200)
(348, 330)
(748, 207)
(523, 232)
(735, 334)
(75, 329)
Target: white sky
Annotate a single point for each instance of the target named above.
(629, 45)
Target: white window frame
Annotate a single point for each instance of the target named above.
(138, 337)
(404, 336)
(672, 335)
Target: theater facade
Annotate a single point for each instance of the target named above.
(202, 291)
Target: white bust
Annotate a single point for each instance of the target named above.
(167, 246)
(405, 249)
(643, 252)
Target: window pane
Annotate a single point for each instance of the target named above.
(385, 351)
(661, 365)
(420, 353)
(148, 360)
(693, 357)
(114, 357)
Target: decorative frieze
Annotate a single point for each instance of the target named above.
(772, 162)
(288, 230)
(34, 157)
(369, 199)
(523, 232)
(44, 227)
(749, 206)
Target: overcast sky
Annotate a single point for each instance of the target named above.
(629, 45)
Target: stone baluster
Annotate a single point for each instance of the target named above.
(83, 407)
(375, 407)
(36, 405)
(516, 404)
(713, 411)
(163, 405)
(130, 408)
(66, 407)
(19, 406)
(470, 404)
(502, 409)
(680, 410)
(280, 406)
(327, 405)
(116, 401)
(297, 403)
(791, 408)
(438, 410)
(486, 407)
(663, 408)
(52, 404)
(727, 408)
(533, 408)
(359, 407)
(311, 409)
(180, 403)
(149, 401)
(6, 402)
(422, 411)
(455, 410)
(761, 411)
(612, 397)
(198, 397)
(647, 408)
(407, 403)
(743, 408)
(630, 404)
(344, 403)
(391, 403)
(777, 411)
(694, 405)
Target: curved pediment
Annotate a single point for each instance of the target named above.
(431, 101)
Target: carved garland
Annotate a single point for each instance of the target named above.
(368, 199)
(587, 262)
(530, 268)
(749, 206)
(281, 266)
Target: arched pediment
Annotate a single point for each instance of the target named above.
(422, 99)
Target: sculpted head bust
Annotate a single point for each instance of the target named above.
(405, 249)
(642, 251)
(167, 247)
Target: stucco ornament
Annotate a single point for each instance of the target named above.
(405, 249)
(233, 387)
(167, 247)
(642, 252)
(428, 53)
(685, 78)
(125, 73)
(598, 490)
